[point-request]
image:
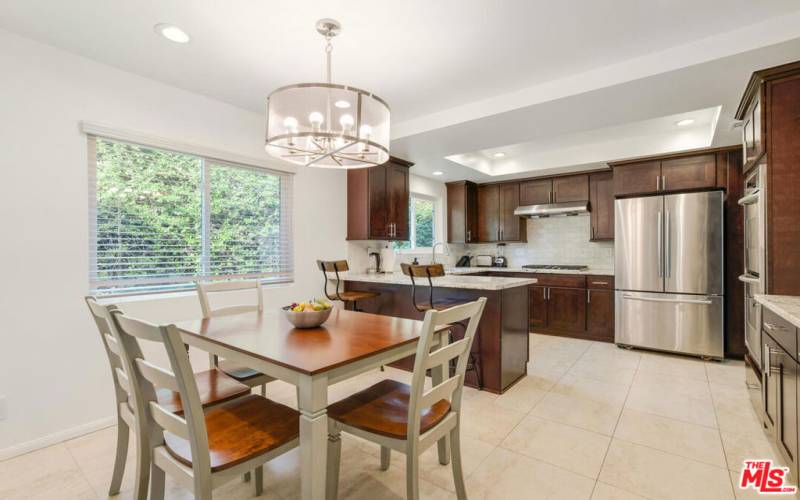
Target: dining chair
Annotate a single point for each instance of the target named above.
(201, 449)
(348, 298)
(214, 387)
(430, 271)
(243, 374)
(410, 419)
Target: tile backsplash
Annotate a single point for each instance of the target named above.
(554, 240)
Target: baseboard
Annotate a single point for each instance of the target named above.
(57, 437)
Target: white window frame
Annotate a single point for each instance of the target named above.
(412, 228)
(216, 158)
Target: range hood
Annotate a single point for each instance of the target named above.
(553, 209)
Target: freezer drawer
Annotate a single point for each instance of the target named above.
(690, 324)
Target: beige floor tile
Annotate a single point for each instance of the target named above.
(571, 448)
(730, 392)
(738, 417)
(44, 474)
(605, 351)
(524, 395)
(603, 491)
(680, 385)
(490, 423)
(656, 474)
(683, 403)
(94, 454)
(673, 365)
(673, 436)
(604, 370)
(741, 447)
(585, 413)
(731, 372)
(506, 475)
(588, 388)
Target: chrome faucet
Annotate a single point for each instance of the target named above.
(433, 251)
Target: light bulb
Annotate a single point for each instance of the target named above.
(339, 142)
(366, 131)
(346, 121)
(316, 118)
(290, 123)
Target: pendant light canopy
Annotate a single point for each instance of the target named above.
(325, 124)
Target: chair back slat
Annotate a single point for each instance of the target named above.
(450, 388)
(423, 270)
(112, 344)
(333, 266)
(169, 421)
(157, 376)
(445, 354)
(206, 288)
(99, 315)
(124, 382)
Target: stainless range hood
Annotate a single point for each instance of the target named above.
(553, 209)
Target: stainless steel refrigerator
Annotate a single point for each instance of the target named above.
(668, 254)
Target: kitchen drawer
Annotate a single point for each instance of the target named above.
(781, 330)
(600, 282)
(561, 280)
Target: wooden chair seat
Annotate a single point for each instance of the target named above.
(240, 373)
(383, 409)
(213, 386)
(354, 296)
(240, 430)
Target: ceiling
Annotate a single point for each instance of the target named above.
(462, 76)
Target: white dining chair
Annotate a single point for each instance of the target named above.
(410, 419)
(245, 375)
(214, 387)
(201, 449)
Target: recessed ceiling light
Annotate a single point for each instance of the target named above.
(684, 122)
(438, 172)
(172, 33)
(342, 104)
(499, 154)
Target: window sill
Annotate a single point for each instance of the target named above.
(169, 295)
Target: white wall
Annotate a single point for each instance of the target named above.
(52, 367)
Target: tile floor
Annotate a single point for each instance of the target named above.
(589, 421)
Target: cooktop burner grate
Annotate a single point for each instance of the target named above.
(555, 266)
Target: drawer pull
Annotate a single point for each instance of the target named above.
(770, 326)
(599, 282)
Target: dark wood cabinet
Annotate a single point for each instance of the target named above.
(779, 389)
(566, 309)
(571, 188)
(496, 219)
(377, 201)
(600, 314)
(537, 309)
(462, 212)
(536, 192)
(637, 178)
(601, 206)
(692, 172)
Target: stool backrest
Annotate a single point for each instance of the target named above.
(336, 267)
(204, 289)
(428, 271)
(450, 388)
(147, 378)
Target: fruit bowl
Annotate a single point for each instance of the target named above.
(307, 314)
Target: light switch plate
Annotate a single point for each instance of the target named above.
(3, 408)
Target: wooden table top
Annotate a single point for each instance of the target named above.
(345, 337)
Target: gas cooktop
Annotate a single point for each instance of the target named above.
(556, 266)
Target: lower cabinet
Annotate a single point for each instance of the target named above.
(779, 389)
(566, 309)
(600, 314)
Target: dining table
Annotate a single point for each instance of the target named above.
(348, 344)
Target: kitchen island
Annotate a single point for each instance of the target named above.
(502, 337)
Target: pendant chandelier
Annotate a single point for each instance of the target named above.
(325, 124)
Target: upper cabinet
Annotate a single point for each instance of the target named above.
(601, 206)
(682, 173)
(377, 201)
(496, 219)
(555, 190)
(462, 212)
(752, 138)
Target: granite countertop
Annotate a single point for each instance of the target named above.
(785, 306)
(588, 272)
(448, 281)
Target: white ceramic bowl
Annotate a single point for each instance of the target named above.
(307, 319)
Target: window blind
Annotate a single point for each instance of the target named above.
(161, 219)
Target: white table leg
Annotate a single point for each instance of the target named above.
(438, 375)
(313, 436)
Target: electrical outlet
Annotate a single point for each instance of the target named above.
(3, 408)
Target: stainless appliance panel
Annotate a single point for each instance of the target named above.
(693, 243)
(690, 324)
(754, 223)
(638, 245)
(752, 323)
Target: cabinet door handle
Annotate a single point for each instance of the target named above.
(591, 233)
(767, 367)
(770, 326)
(599, 282)
(588, 296)
(658, 183)
(663, 182)
(469, 235)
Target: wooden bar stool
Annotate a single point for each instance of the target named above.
(348, 298)
(431, 271)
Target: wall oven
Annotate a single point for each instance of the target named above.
(754, 276)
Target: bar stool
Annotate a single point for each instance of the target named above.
(352, 298)
(431, 271)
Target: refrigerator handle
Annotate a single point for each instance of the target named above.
(673, 301)
(667, 253)
(660, 246)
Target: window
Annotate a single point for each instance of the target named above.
(160, 219)
(421, 215)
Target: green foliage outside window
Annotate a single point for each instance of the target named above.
(421, 216)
